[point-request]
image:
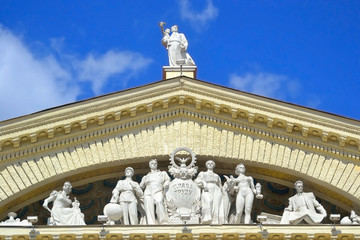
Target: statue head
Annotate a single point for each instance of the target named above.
(67, 187)
(153, 164)
(175, 28)
(210, 164)
(240, 168)
(299, 186)
(129, 172)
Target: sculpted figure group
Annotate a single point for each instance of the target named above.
(146, 203)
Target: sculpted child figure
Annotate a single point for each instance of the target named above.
(64, 211)
(244, 188)
(177, 45)
(127, 193)
(155, 183)
(211, 196)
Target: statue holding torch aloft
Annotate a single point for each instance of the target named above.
(177, 45)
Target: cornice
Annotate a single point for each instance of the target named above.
(74, 120)
(128, 124)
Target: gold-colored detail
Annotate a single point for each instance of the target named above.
(193, 89)
(270, 122)
(322, 236)
(90, 237)
(114, 236)
(20, 237)
(276, 236)
(44, 237)
(299, 236)
(230, 236)
(207, 236)
(325, 136)
(137, 236)
(253, 236)
(251, 117)
(161, 236)
(289, 127)
(345, 236)
(67, 237)
(184, 236)
(2, 237)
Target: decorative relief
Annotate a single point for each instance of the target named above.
(114, 236)
(67, 237)
(299, 236)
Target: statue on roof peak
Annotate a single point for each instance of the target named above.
(177, 45)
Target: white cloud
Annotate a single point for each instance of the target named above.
(29, 83)
(198, 19)
(266, 84)
(98, 70)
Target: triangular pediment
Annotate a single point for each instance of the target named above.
(154, 119)
(184, 93)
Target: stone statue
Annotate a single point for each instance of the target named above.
(177, 45)
(211, 196)
(244, 188)
(352, 219)
(13, 221)
(303, 207)
(183, 195)
(128, 193)
(155, 184)
(64, 211)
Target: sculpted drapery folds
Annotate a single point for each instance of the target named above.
(154, 184)
(177, 45)
(166, 201)
(303, 207)
(128, 193)
(64, 211)
(211, 196)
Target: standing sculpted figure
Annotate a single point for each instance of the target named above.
(244, 188)
(127, 193)
(177, 45)
(211, 196)
(155, 183)
(303, 207)
(62, 213)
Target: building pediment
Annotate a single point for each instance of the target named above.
(212, 101)
(94, 139)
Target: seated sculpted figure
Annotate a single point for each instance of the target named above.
(64, 211)
(244, 188)
(127, 192)
(155, 183)
(303, 207)
(211, 196)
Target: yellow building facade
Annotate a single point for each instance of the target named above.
(91, 142)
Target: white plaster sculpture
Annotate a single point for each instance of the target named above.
(303, 207)
(128, 193)
(13, 221)
(352, 219)
(64, 211)
(211, 196)
(155, 183)
(244, 188)
(183, 195)
(177, 45)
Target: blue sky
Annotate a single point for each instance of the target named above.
(57, 52)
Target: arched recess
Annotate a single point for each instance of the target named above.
(270, 156)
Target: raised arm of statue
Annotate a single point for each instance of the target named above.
(50, 199)
(177, 46)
